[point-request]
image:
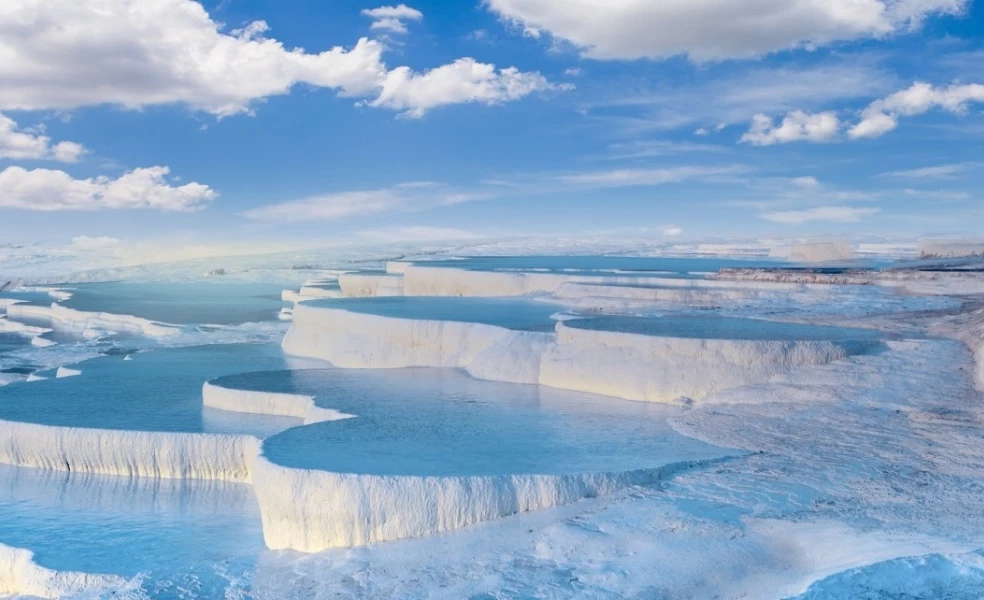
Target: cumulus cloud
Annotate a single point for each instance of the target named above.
(51, 190)
(20, 144)
(392, 18)
(796, 126)
(62, 54)
(714, 29)
(465, 80)
(882, 115)
(840, 214)
(341, 205)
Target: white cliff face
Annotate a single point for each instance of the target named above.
(311, 291)
(365, 285)
(21, 576)
(171, 455)
(354, 340)
(665, 369)
(973, 336)
(629, 366)
(59, 316)
(312, 510)
(297, 406)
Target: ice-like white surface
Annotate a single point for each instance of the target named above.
(632, 366)
(5, 303)
(130, 453)
(821, 251)
(364, 285)
(354, 340)
(291, 296)
(950, 248)
(21, 576)
(589, 296)
(298, 406)
(660, 368)
(421, 280)
(311, 510)
(60, 316)
(173, 455)
(63, 372)
(8, 326)
(313, 291)
(397, 267)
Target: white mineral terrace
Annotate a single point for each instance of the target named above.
(650, 367)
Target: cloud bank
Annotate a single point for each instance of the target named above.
(63, 54)
(147, 188)
(20, 144)
(714, 29)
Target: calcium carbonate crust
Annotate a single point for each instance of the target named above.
(21, 576)
(627, 366)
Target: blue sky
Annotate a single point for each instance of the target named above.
(696, 119)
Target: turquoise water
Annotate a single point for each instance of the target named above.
(443, 422)
(37, 298)
(723, 328)
(160, 390)
(593, 264)
(181, 303)
(191, 535)
(511, 313)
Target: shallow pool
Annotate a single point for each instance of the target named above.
(154, 391)
(511, 313)
(443, 422)
(181, 303)
(726, 328)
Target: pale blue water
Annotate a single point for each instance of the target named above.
(37, 298)
(511, 313)
(203, 539)
(181, 303)
(443, 422)
(160, 390)
(594, 264)
(190, 535)
(702, 327)
(932, 577)
(331, 285)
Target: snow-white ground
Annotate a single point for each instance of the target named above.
(864, 478)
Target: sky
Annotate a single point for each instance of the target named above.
(271, 124)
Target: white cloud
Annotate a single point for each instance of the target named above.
(713, 29)
(51, 190)
(85, 243)
(20, 144)
(806, 182)
(657, 176)
(735, 94)
(341, 205)
(392, 18)
(572, 72)
(796, 126)
(672, 231)
(841, 214)
(462, 81)
(882, 115)
(62, 54)
(934, 172)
